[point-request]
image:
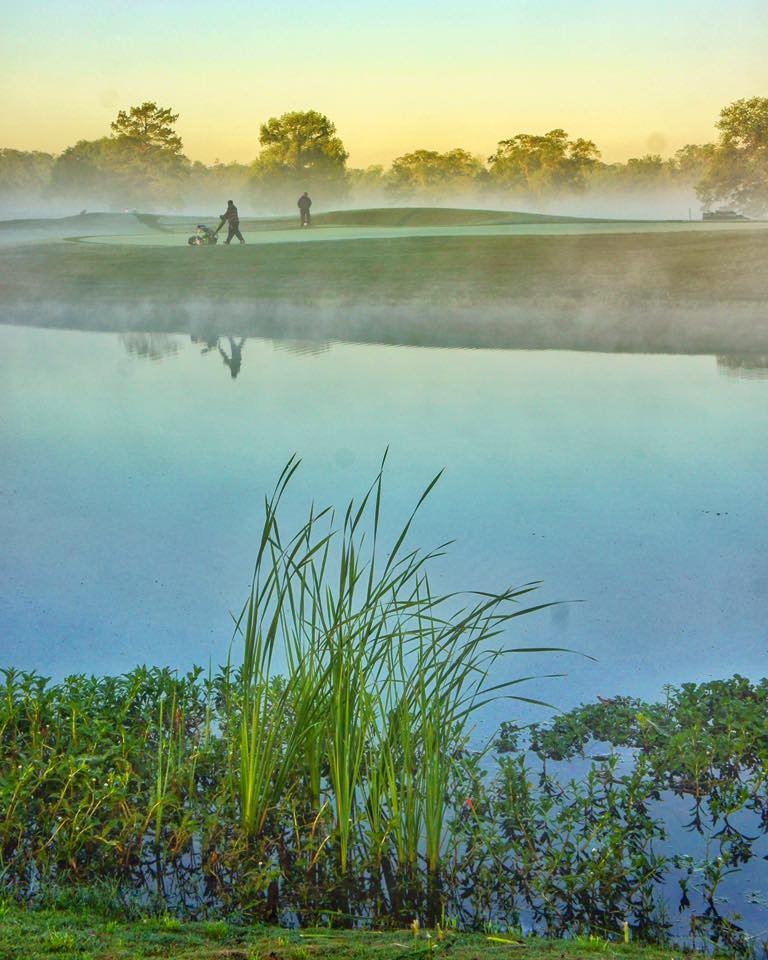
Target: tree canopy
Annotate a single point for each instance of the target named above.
(141, 164)
(536, 164)
(149, 129)
(433, 173)
(303, 142)
(737, 169)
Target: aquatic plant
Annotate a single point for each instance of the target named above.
(326, 773)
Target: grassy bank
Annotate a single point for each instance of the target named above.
(34, 935)
(675, 292)
(696, 267)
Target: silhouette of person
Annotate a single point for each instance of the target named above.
(305, 202)
(235, 360)
(232, 219)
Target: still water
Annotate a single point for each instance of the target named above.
(133, 470)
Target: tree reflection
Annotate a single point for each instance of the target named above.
(150, 346)
(750, 366)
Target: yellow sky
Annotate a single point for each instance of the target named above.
(633, 77)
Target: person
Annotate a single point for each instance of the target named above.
(305, 202)
(233, 223)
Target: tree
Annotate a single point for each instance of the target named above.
(737, 171)
(692, 160)
(300, 150)
(148, 152)
(86, 174)
(538, 164)
(24, 176)
(150, 129)
(140, 164)
(431, 173)
(208, 186)
(369, 185)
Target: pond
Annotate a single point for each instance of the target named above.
(133, 469)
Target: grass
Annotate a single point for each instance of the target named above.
(39, 935)
(435, 217)
(377, 217)
(677, 292)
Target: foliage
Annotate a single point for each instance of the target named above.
(24, 175)
(737, 171)
(432, 175)
(300, 151)
(141, 163)
(707, 744)
(330, 776)
(149, 130)
(325, 790)
(539, 164)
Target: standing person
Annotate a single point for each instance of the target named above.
(305, 202)
(233, 223)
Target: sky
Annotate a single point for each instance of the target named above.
(635, 76)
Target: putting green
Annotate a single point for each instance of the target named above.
(113, 225)
(173, 233)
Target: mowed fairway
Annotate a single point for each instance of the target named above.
(444, 277)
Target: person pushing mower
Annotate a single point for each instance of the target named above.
(232, 219)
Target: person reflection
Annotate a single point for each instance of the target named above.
(235, 360)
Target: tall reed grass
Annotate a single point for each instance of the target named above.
(381, 679)
(322, 769)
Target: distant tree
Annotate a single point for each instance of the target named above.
(692, 160)
(737, 170)
(368, 185)
(372, 176)
(210, 186)
(300, 150)
(432, 174)
(24, 175)
(150, 129)
(539, 164)
(649, 172)
(141, 164)
(86, 174)
(148, 153)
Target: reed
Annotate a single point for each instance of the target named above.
(380, 681)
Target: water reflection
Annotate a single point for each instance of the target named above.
(744, 367)
(150, 346)
(235, 358)
(209, 342)
(303, 348)
(232, 360)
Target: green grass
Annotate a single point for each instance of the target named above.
(677, 292)
(378, 217)
(435, 217)
(40, 935)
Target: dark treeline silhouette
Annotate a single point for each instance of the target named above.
(141, 164)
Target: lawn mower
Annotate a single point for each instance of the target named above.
(204, 236)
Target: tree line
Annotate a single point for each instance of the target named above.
(141, 163)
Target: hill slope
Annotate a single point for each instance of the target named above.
(432, 217)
